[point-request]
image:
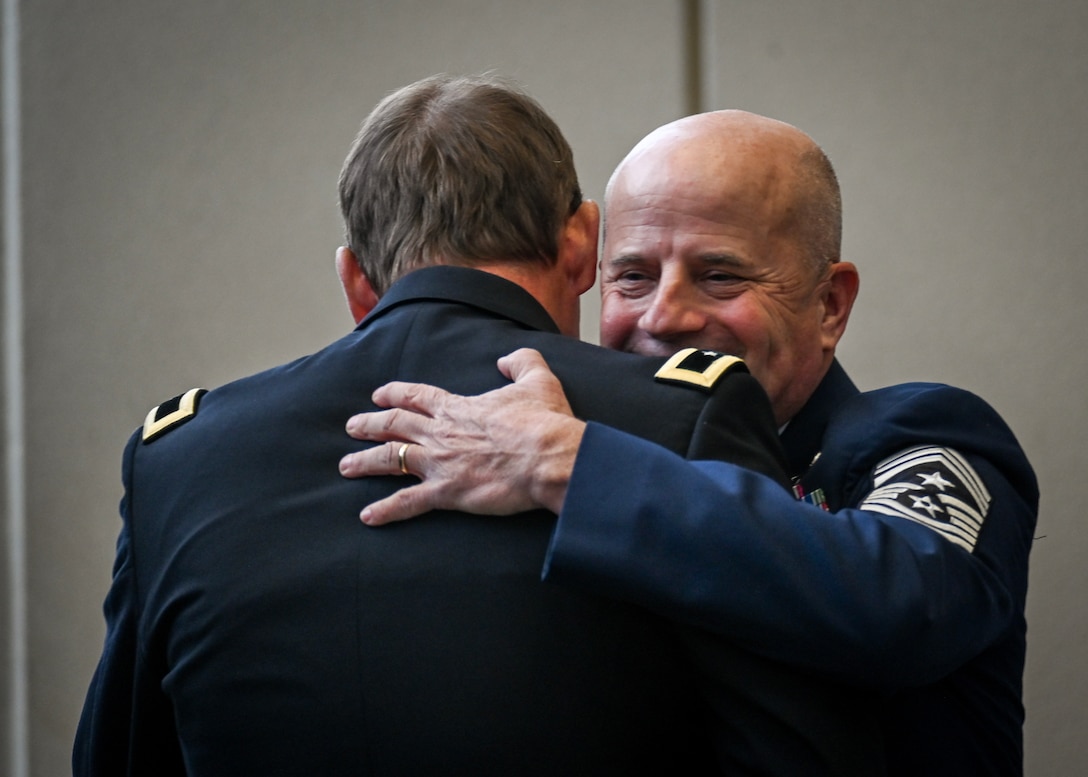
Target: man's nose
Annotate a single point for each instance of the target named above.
(673, 311)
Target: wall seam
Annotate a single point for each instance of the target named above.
(691, 50)
(699, 47)
(14, 412)
(708, 59)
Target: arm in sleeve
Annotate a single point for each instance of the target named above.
(126, 727)
(865, 596)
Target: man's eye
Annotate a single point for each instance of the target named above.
(632, 283)
(722, 285)
(720, 277)
(629, 276)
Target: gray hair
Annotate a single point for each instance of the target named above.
(818, 215)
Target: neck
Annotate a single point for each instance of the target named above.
(548, 287)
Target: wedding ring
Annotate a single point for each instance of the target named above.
(402, 457)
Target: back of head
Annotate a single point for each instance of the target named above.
(456, 170)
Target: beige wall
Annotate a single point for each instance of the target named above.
(178, 219)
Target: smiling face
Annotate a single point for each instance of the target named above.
(702, 248)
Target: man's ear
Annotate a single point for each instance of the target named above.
(360, 294)
(838, 301)
(578, 246)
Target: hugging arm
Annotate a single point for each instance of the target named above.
(506, 451)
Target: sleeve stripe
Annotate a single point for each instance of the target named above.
(948, 532)
(935, 487)
(913, 457)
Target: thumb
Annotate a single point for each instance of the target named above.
(522, 363)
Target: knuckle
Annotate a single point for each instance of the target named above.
(389, 419)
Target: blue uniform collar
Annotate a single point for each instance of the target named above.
(803, 436)
(468, 286)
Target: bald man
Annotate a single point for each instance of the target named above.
(899, 563)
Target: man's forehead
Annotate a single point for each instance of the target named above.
(685, 216)
(661, 236)
(736, 238)
(695, 259)
(709, 189)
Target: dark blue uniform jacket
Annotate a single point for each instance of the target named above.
(903, 569)
(255, 627)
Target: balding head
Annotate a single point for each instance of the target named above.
(745, 160)
(722, 231)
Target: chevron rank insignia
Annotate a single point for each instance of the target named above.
(172, 414)
(701, 369)
(935, 487)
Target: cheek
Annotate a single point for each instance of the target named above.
(757, 336)
(787, 351)
(747, 323)
(614, 331)
(618, 321)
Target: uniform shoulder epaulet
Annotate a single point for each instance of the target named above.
(698, 368)
(172, 414)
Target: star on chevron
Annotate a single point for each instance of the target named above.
(936, 479)
(926, 503)
(934, 486)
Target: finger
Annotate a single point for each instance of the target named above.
(416, 397)
(521, 363)
(386, 425)
(399, 506)
(379, 460)
(528, 369)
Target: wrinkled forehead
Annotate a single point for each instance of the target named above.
(705, 181)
